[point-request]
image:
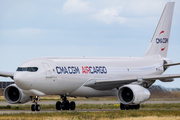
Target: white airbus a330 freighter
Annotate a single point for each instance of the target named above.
(126, 78)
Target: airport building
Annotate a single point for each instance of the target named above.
(3, 85)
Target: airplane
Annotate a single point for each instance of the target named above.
(127, 78)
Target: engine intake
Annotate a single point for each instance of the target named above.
(133, 94)
(14, 95)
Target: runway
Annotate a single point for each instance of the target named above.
(77, 110)
(89, 102)
(51, 111)
(54, 102)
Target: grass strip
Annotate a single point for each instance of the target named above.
(94, 115)
(95, 106)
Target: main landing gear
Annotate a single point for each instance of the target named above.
(128, 107)
(35, 106)
(65, 105)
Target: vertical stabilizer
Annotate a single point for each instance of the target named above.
(160, 40)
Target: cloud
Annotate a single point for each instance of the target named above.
(114, 11)
(144, 7)
(107, 14)
(75, 6)
(110, 15)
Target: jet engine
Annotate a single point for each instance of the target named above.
(133, 94)
(14, 95)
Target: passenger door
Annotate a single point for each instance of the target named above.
(47, 70)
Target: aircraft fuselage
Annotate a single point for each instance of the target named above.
(65, 75)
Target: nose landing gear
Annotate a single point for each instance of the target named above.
(35, 106)
(65, 105)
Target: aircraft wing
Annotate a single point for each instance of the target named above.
(7, 74)
(107, 84)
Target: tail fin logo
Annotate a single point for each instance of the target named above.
(161, 32)
(163, 49)
(161, 40)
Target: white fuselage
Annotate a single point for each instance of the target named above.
(66, 76)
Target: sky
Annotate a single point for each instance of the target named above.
(77, 28)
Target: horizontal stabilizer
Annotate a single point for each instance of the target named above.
(171, 64)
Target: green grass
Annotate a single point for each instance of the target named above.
(161, 106)
(104, 114)
(159, 110)
(95, 106)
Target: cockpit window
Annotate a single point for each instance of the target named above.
(29, 69)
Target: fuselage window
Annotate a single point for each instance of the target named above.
(29, 69)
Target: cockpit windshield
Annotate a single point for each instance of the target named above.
(29, 69)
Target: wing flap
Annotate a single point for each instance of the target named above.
(107, 84)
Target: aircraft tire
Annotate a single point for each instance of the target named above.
(65, 105)
(128, 107)
(138, 106)
(72, 105)
(38, 107)
(33, 107)
(58, 105)
(122, 106)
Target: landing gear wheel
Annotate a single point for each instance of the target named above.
(58, 105)
(128, 107)
(33, 107)
(72, 105)
(122, 106)
(38, 107)
(65, 105)
(137, 107)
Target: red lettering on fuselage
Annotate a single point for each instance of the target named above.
(85, 70)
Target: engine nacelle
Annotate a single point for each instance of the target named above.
(133, 94)
(14, 95)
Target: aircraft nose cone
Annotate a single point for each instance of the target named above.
(21, 81)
